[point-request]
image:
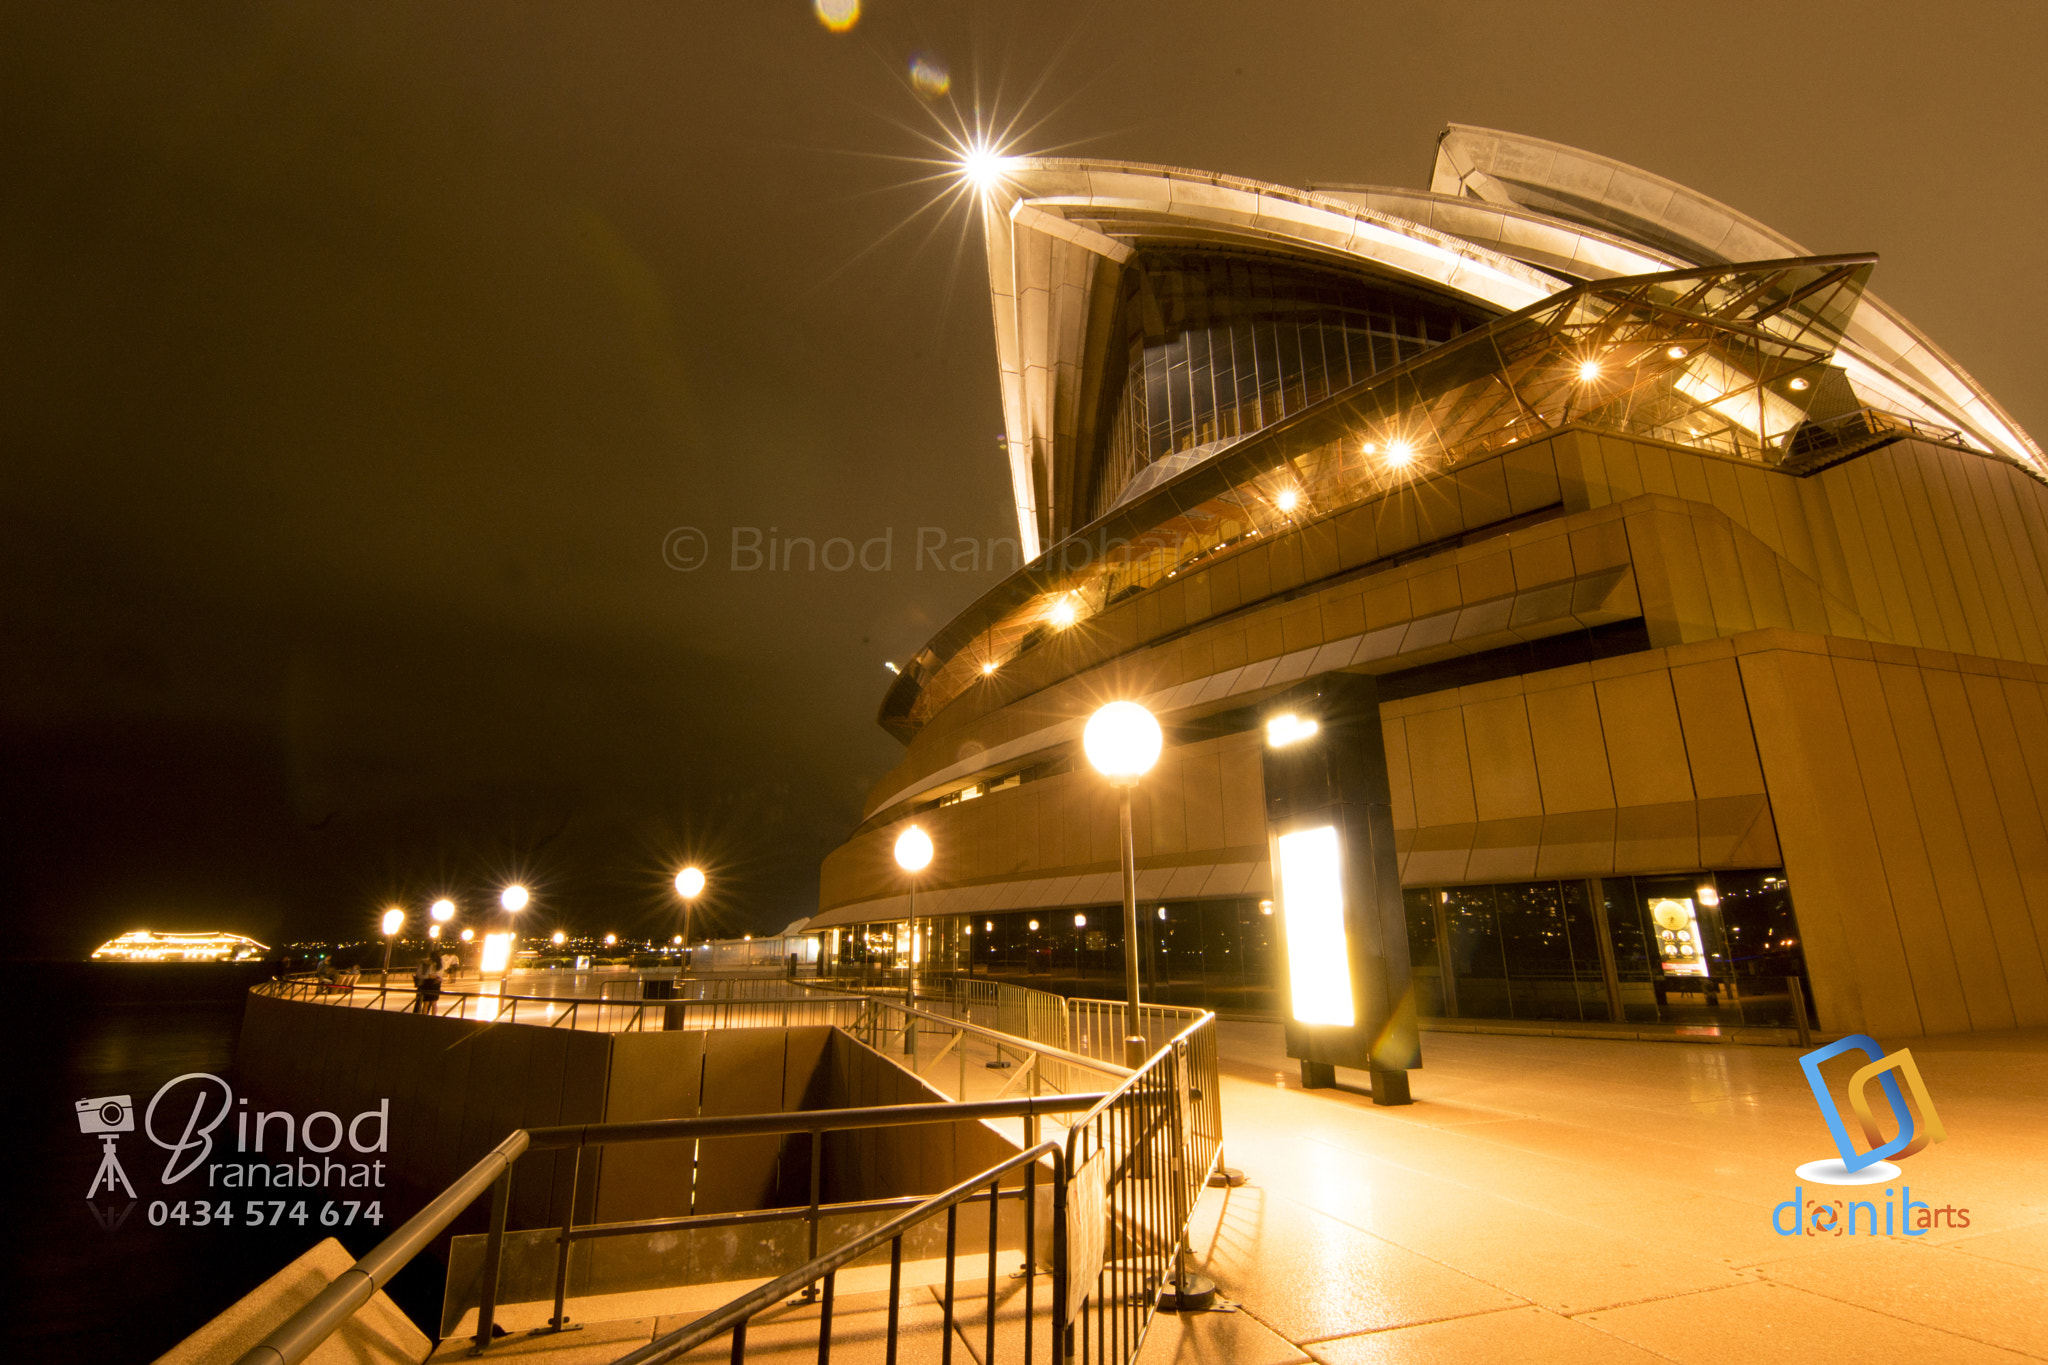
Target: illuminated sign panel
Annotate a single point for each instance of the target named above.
(497, 952)
(1680, 949)
(1318, 954)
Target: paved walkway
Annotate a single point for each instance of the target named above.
(1583, 1201)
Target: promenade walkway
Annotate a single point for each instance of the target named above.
(1565, 1200)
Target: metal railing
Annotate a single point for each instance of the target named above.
(926, 1038)
(1136, 1164)
(603, 1015)
(1096, 1028)
(301, 1334)
(1124, 1184)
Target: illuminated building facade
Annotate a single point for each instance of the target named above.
(1706, 601)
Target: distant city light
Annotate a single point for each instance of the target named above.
(514, 897)
(442, 910)
(610, 939)
(677, 940)
(433, 931)
(558, 938)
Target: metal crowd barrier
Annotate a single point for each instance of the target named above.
(604, 1015)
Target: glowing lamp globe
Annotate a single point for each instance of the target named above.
(689, 883)
(442, 910)
(1122, 740)
(514, 898)
(394, 920)
(913, 850)
(559, 938)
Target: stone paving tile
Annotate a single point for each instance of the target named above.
(1767, 1323)
(1215, 1339)
(1525, 1336)
(1988, 1301)
(2023, 1246)
(599, 1343)
(1308, 1275)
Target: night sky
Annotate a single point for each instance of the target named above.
(359, 361)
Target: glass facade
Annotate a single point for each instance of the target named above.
(1707, 948)
(1221, 345)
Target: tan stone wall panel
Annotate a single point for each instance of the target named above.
(1646, 751)
(1948, 847)
(1908, 868)
(1439, 768)
(1571, 754)
(1986, 821)
(1714, 718)
(1503, 759)
(1853, 948)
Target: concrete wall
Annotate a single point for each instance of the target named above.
(456, 1087)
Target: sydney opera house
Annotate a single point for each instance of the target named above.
(1698, 600)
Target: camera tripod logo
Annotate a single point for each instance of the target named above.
(106, 1118)
(1870, 1167)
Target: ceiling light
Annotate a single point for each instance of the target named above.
(1287, 500)
(1676, 353)
(1589, 370)
(1797, 384)
(1063, 612)
(1399, 452)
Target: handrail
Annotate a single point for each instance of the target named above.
(1008, 1040)
(302, 1333)
(737, 1312)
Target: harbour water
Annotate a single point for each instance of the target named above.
(93, 1279)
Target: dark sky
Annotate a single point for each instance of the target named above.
(359, 360)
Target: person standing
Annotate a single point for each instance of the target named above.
(426, 985)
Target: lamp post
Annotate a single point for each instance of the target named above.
(1122, 742)
(913, 855)
(689, 885)
(394, 920)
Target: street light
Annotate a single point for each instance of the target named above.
(689, 885)
(1122, 741)
(394, 920)
(913, 855)
(558, 938)
(514, 898)
(442, 910)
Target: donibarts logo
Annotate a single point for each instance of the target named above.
(272, 1151)
(1898, 1212)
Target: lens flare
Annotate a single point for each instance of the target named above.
(928, 76)
(837, 15)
